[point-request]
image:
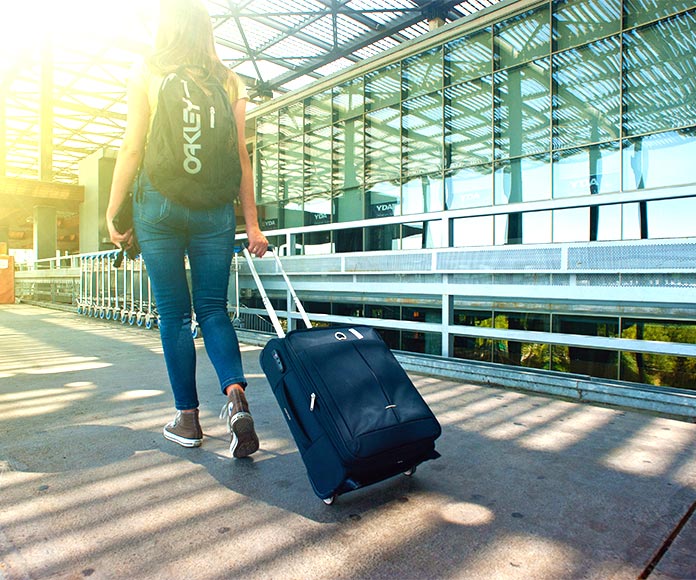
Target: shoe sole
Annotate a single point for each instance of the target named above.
(183, 441)
(244, 439)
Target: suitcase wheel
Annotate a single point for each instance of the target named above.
(410, 472)
(329, 500)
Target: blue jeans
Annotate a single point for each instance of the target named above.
(168, 232)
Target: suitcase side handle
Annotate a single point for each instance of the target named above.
(264, 297)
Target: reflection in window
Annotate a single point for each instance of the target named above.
(317, 161)
(422, 194)
(267, 129)
(422, 73)
(576, 22)
(642, 11)
(522, 38)
(469, 187)
(468, 58)
(659, 160)
(523, 228)
(571, 225)
(421, 125)
(522, 179)
(585, 361)
(383, 145)
(291, 120)
(384, 200)
(660, 76)
(587, 171)
(521, 354)
(348, 155)
(292, 213)
(267, 174)
(672, 218)
(383, 87)
(291, 168)
(468, 113)
(318, 110)
(348, 99)
(522, 103)
(587, 94)
(472, 232)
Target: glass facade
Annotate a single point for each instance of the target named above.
(548, 126)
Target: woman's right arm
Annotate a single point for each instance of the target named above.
(129, 156)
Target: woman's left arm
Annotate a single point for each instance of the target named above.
(258, 244)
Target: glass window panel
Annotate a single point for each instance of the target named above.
(658, 369)
(470, 348)
(269, 215)
(383, 145)
(422, 73)
(660, 76)
(413, 236)
(422, 194)
(586, 325)
(422, 342)
(630, 221)
(422, 144)
(349, 100)
(641, 11)
(267, 174)
(435, 234)
(317, 209)
(384, 200)
(469, 187)
(349, 205)
(317, 161)
(523, 321)
(350, 240)
(315, 243)
(523, 228)
(292, 213)
(587, 171)
(609, 222)
(472, 231)
(579, 21)
(522, 38)
(587, 102)
(291, 120)
(290, 182)
(659, 330)
(267, 129)
(383, 237)
(571, 225)
(383, 87)
(468, 57)
(522, 179)
(672, 218)
(522, 112)
(659, 160)
(348, 155)
(468, 123)
(318, 112)
(521, 354)
(585, 361)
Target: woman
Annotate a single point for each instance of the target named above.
(168, 232)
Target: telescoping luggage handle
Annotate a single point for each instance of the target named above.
(264, 297)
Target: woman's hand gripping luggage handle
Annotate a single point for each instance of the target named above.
(264, 297)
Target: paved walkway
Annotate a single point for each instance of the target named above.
(528, 487)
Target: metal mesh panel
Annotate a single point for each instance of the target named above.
(307, 264)
(523, 279)
(507, 259)
(399, 279)
(471, 279)
(633, 257)
(606, 280)
(659, 280)
(389, 263)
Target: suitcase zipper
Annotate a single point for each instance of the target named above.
(312, 400)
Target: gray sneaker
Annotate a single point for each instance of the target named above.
(240, 425)
(184, 429)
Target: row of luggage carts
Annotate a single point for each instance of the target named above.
(116, 290)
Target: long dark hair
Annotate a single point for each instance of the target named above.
(185, 38)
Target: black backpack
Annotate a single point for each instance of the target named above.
(192, 155)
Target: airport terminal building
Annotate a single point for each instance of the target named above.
(514, 188)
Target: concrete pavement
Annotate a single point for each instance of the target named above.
(528, 487)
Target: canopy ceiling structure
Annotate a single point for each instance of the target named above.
(65, 65)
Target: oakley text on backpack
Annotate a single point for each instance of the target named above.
(192, 155)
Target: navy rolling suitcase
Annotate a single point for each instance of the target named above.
(354, 413)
